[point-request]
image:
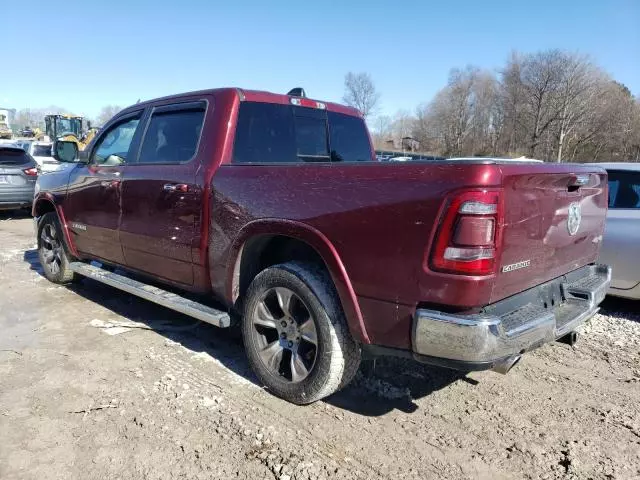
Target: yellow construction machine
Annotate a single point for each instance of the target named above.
(69, 128)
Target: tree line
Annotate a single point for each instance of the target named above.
(34, 117)
(553, 105)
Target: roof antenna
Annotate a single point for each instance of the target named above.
(297, 92)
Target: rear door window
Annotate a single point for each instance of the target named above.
(173, 134)
(624, 189)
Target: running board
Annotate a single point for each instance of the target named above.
(153, 294)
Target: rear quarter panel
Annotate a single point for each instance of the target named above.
(378, 217)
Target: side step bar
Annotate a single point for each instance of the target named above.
(153, 294)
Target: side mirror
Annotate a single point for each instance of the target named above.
(65, 151)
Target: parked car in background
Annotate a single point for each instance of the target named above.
(506, 160)
(27, 132)
(41, 153)
(621, 247)
(231, 194)
(23, 144)
(18, 173)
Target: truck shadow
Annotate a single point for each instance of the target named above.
(14, 214)
(620, 307)
(392, 383)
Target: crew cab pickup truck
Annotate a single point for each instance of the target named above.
(270, 211)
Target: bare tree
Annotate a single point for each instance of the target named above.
(27, 117)
(381, 131)
(510, 104)
(541, 79)
(552, 104)
(462, 118)
(34, 117)
(423, 130)
(360, 93)
(107, 113)
(579, 89)
(401, 130)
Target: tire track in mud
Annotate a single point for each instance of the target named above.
(240, 395)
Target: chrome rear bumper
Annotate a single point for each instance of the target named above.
(513, 326)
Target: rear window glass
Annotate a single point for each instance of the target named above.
(624, 189)
(349, 139)
(13, 156)
(311, 138)
(272, 133)
(265, 134)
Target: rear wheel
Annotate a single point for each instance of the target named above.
(295, 334)
(52, 250)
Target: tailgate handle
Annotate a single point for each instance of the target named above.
(579, 180)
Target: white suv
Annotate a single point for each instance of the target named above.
(41, 153)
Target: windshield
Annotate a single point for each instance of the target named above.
(65, 125)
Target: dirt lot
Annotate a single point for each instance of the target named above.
(95, 383)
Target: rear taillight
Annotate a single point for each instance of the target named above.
(469, 234)
(32, 172)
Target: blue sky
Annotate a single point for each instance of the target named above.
(89, 54)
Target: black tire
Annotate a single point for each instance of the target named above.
(52, 250)
(337, 355)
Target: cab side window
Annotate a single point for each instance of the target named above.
(173, 134)
(624, 189)
(114, 147)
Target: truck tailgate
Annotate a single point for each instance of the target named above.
(553, 224)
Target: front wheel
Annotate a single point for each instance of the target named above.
(295, 333)
(52, 250)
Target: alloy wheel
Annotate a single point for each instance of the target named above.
(51, 249)
(285, 334)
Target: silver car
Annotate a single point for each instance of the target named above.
(18, 173)
(621, 246)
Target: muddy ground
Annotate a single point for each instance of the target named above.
(97, 384)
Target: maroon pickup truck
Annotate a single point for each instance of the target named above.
(271, 211)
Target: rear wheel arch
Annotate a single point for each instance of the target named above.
(264, 244)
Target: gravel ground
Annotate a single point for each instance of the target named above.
(95, 383)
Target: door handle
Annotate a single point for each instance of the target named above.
(175, 187)
(110, 183)
(107, 173)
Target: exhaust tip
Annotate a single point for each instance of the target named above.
(503, 366)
